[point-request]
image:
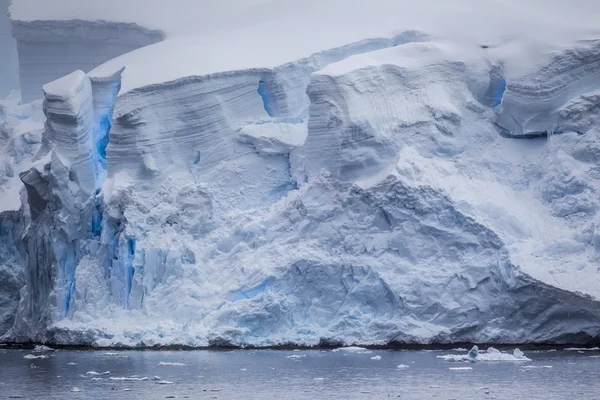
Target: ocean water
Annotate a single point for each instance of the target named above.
(277, 374)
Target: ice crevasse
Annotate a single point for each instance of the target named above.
(400, 188)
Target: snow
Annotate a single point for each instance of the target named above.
(237, 46)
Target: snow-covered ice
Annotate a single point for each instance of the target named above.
(360, 185)
(491, 354)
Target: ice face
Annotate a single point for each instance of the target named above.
(364, 194)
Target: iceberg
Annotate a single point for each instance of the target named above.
(397, 182)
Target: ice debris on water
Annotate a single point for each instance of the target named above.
(529, 367)
(162, 382)
(376, 358)
(403, 366)
(129, 378)
(75, 389)
(98, 373)
(460, 368)
(33, 356)
(72, 363)
(579, 349)
(170, 364)
(491, 354)
(352, 349)
(296, 357)
(42, 349)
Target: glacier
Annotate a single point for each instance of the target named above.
(400, 183)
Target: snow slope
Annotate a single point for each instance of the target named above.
(428, 177)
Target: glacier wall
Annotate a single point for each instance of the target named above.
(49, 50)
(365, 195)
(9, 69)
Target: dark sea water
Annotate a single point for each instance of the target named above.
(273, 374)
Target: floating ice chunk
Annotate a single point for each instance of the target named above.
(491, 354)
(128, 378)
(403, 366)
(376, 358)
(98, 373)
(170, 364)
(319, 379)
(460, 349)
(97, 379)
(350, 349)
(42, 349)
(528, 367)
(72, 363)
(460, 368)
(111, 353)
(472, 354)
(518, 353)
(75, 389)
(156, 378)
(296, 357)
(582, 349)
(33, 356)
(243, 369)
(162, 382)
(33, 366)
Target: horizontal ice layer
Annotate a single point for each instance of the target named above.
(49, 50)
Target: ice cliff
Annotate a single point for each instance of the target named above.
(401, 188)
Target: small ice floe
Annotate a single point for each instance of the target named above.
(460, 368)
(215, 390)
(296, 356)
(581, 349)
(127, 390)
(353, 349)
(243, 369)
(40, 348)
(491, 354)
(33, 366)
(170, 364)
(460, 349)
(156, 378)
(319, 379)
(72, 363)
(530, 367)
(111, 354)
(75, 389)
(34, 357)
(376, 358)
(128, 378)
(98, 373)
(162, 382)
(97, 379)
(402, 366)
(594, 356)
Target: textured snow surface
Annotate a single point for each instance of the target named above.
(350, 183)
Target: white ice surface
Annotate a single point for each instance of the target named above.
(295, 186)
(275, 32)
